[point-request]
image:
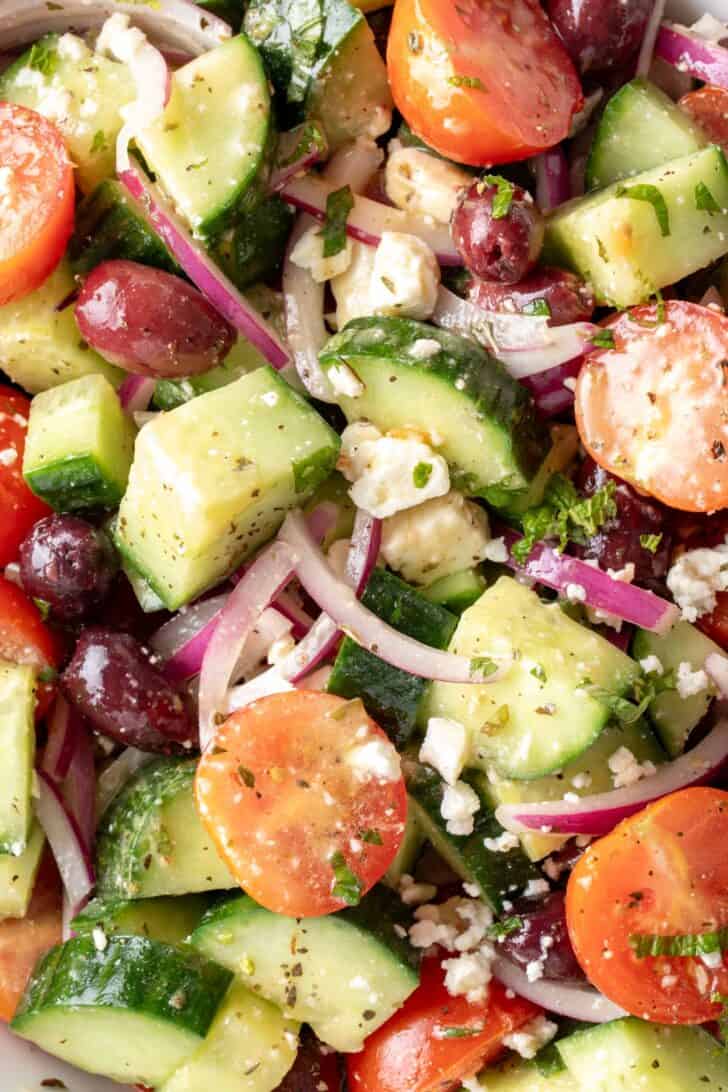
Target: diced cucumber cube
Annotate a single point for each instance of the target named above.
(17, 746)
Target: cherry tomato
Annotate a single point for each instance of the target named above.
(37, 203)
(19, 508)
(708, 107)
(715, 624)
(436, 1040)
(652, 410)
(303, 796)
(24, 940)
(481, 81)
(663, 871)
(24, 639)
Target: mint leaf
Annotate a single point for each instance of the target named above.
(371, 837)
(704, 200)
(501, 929)
(643, 191)
(504, 194)
(338, 206)
(421, 475)
(43, 58)
(347, 885)
(538, 307)
(99, 143)
(650, 542)
(603, 339)
(565, 516)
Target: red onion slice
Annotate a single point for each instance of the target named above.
(600, 813)
(550, 391)
(572, 999)
(303, 301)
(553, 186)
(79, 788)
(692, 54)
(202, 271)
(647, 49)
(301, 621)
(547, 566)
(183, 640)
(368, 219)
(339, 601)
(112, 780)
(61, 745)
(136, 392)
(66, 841)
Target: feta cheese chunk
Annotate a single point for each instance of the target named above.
(374, 759)
(390, 473)
(405, 277)
(422, 183)
(529, 1039)
(308, 253)
(690, 682)
(695, 579)
(459, 804)
(468, 974)
(351, 289)
(445, 747)
(443, 536)
(345, 382)
(626, 769)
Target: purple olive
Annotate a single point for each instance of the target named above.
(68, 563)
(544, 939)
(498, 230)
(113, 682)
(560, 295)
(600, 34)
(314, 1069)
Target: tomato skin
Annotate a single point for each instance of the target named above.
(715, 624)
(24, 940)
(482, 81)
(708, 107)
(407, 1055)
(283, 800)
(25, 639)
(19, 507)
(663, 871)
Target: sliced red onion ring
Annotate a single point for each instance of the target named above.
(69, 848)
(79, 788)
(553, 390)
(368, 219)
(339, 601)
(632, 604)
(572, 999)
(62, 733)
(292, 162)
(136, 392)
(690, 53)
(647, 49)
(265, 578)
(182, 641)
(553, 186)
(202, 271)
(112, 780)
(600, 813)
(717, 667)
(525, 344)
(179, 24)
(301, 621)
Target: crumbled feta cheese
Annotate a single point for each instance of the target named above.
(626, 769)
(531, 1037)
(308, 253)
(72, 48)
(443, 536)
(8, 456)
(100, 939)
(695, 579)
(458, 925)
(709, 28)
(504, 843)
(496, 551)
(375, 759)
(534, 970)
(279, 649)
(713, 960)
(651, 665)
(690, 682)
(459, 804)
(581, 780)
(422, 183)
(445, 747)
(414, 894)
(390, 473)
(535, 888)
(405, 277)
(575, 593)
(351, 289)
(345, 382)
(424, 348)
(118, 39)
(468, 974)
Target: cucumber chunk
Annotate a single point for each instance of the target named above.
(212, 141)
(110, 224)
(585, 775)
(253, 250)
(17, 875)
(500, 876)
(208, 486)
(151, 842)
(133, 1010)
(307, 966)
(628, 252)
(489, 431)
(17, 746)
(622, 1055)
(79, 90)
(249, 1048)
(539, 715)
(40, 345)
(641, 127)
(391, 696)
(458, 591)
(672, 716)
(165, 919)
(515, 1075)
(80, 445)
(409, 850)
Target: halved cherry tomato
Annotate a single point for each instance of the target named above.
(653, 409)
(19, 508)
(36, 200)
(24, 940)
(715, 624)
(708, 107)
(481, 81)
(664, 871)
(25, 639)
(436, 1040)
(302, 795)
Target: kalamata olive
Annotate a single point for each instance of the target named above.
(313, 1070)
(498, 231)
(150, 322)
(68, 563)
(544, 939)
(113, 682)
(600, 34)
(561, 295)
(622, 539)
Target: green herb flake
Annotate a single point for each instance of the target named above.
(457, 1033)
(603, 339)
(466, 81)
(650, 542)
(504, 194)
(539, 673)
(539, 308)
(43, 607)
(499, 930)
(565, 516)
(338, 206)
(643, 191)
(371, 837)
(421, 475)
(347, 885)
(679, 944)
(483, 667)
(99, 142)
(247, 777)
(43, 58)
(47, 675)
(310, 138)
(704, 200)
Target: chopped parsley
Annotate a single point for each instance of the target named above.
(44, 58)
(646, 688)
(347, 885)
(499, 930)
(466, 81)
(338, 206)
(539, 673)
(650, 542)
(679, 944)
(457, 1033)
(504, 194)
(311, 137)
(603, 339)
(483, 666)
(565, 516)
(247, 777)
(538, 307)
(643, 191)
(704, 200)
(99, 142)
(421, 475)
(371, 837)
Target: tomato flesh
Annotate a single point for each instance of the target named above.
(36, 200)
(24, 940)
(481, 81)
(664, 871)
(25, 639)
(294, 795)
(19, 507)
(416, 1051)
(708, 107)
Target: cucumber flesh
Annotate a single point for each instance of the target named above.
(641, 127)
(409, 850)
(170, 920)
(17, 746)
(17, 875)
(456, 592)
(518, 1076)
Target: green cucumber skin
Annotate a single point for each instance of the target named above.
(480, 378)
(391, 696)
(169, 920)
(110, 224)
(75, 483)
(132, 973)
(254, 250)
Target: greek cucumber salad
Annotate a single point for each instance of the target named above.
(364, 544)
